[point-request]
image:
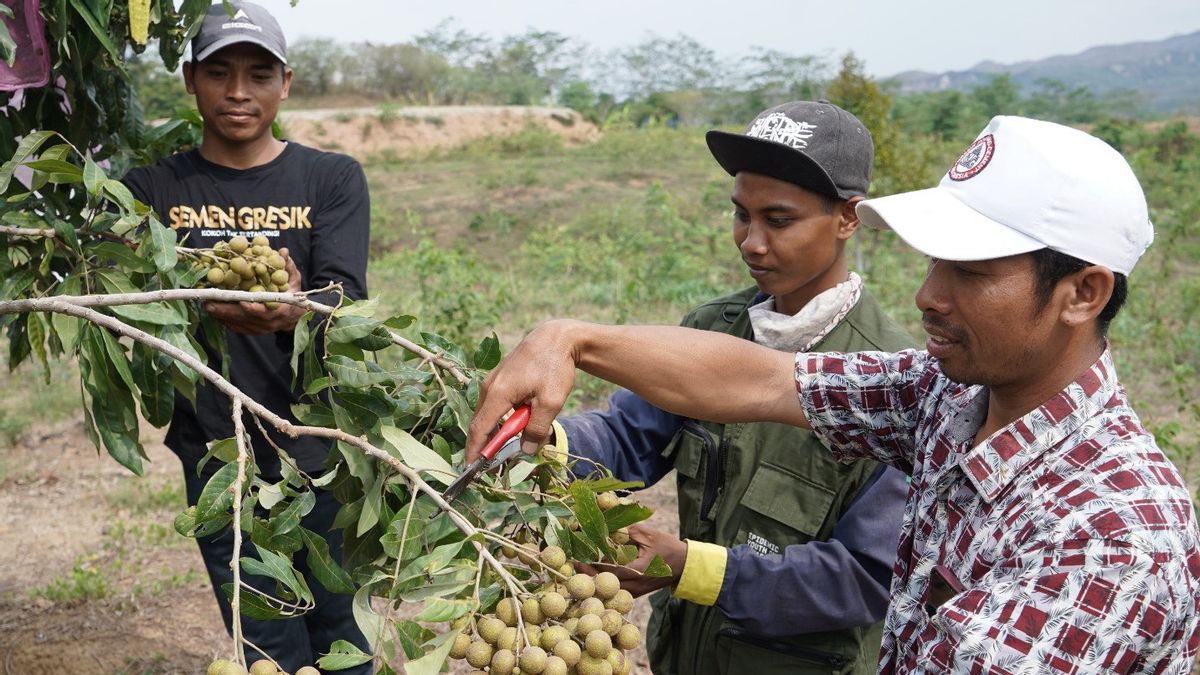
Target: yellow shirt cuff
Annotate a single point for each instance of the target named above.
(703, 573)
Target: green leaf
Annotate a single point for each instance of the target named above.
(115, 281)
(366, 407)
(487, 355)
(608, 484)
(68, 327)
(25, 148)
(121, 255)
(289, 518)
(93, 176)
(415, 455)
(157, 393)
(217, 496)
(279, 568)
(657, 568)
(300, 339)
(342, 655)
(400, 322)
(256, 606)
(351, 328)
(116, 356)
(440, 609)
(119, 194)
(54, 166)
(373, 626)
(327, 571)
(359, 308)
(162, 245)
(433, 662)
(590, 517)
(101, 34)
(623, 515)
(359, 374)
(372, 498)
(35, 331)
(156, 313)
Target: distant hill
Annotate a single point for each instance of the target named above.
(1166, 73)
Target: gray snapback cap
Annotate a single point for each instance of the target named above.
(248, 22)
(813, 144)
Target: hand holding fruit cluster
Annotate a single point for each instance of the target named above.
(241, 264)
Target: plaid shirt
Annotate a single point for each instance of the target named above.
(1070, 538)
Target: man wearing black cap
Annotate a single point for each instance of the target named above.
(313, 207)
(786, 554)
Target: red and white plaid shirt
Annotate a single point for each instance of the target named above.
(1073, 537)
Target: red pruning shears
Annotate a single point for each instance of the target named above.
(503, 446)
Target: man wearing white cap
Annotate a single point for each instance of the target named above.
(1044, 531)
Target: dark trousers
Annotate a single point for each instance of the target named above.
(301, 640)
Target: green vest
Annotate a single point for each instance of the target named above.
(777, 483)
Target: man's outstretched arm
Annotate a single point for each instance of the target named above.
(697, 373)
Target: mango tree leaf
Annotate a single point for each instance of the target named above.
(415, 455)
(327, 571)
(119, 194)
(343, 654)
(99, 32)
(54, 166)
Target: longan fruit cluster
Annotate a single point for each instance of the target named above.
(260, 667)
(573, 624)
(242, 264)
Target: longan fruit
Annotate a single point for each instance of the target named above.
(263, 667)
(503, 662)
(607, 500)
(628, 637)
(607, 585)
(555, 666)
(238, 244)
(479, 654)
(622, 602)
(553, 604)
(553, 556)
(587, 624)
(506, 611)
(598, 643)
(581, 586)
(533, 660)
(461, 642)
(569, 651)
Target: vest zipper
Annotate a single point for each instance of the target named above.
(833, 659)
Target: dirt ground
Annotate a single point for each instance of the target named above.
(385, 131)
(71, 518)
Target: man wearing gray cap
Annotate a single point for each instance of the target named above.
(784, 554)
(1045, 531)
(313, 208)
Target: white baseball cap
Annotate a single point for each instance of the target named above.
(1025, 185)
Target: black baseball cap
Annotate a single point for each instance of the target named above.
(813, 144)
(242, 22)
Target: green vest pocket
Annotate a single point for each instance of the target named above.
(787, 499)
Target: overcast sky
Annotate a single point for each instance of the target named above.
(889, 35)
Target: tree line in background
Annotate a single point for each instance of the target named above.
(673, 80)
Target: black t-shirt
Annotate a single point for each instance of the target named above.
(313, 203)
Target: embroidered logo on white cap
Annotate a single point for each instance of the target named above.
(976, 157)
(780, 128)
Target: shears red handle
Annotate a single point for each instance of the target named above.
(506, 434)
